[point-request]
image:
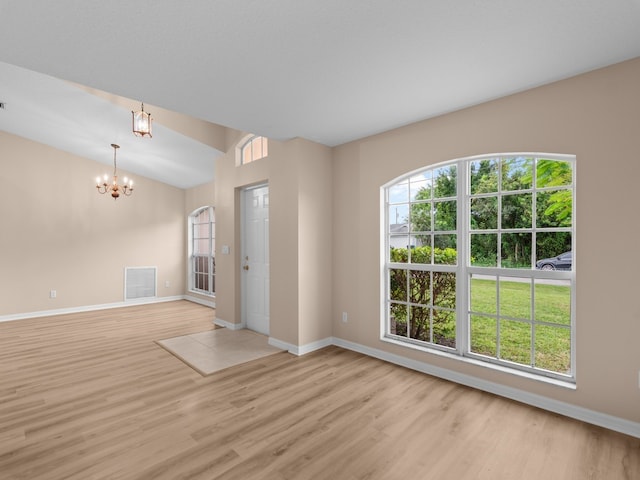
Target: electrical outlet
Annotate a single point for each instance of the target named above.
(53, 294)
(344, 317)
(166, 284)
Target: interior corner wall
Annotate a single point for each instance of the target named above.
(290, 170)
(315, 231)
(59, 234)
(594, 116)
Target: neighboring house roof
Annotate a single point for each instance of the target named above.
(399, 228)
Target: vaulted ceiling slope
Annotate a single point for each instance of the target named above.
(330, 71)
(65, 116)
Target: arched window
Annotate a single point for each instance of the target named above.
(202, 264)
(254, 148)
(479, 261)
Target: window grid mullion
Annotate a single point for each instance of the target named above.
(463, 300)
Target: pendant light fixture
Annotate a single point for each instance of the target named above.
(114, 188)
(141, 123)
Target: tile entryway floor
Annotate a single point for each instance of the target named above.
(213, 350)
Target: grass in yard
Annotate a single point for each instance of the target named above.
(511, 339)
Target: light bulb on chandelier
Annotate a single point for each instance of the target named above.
(114, 188)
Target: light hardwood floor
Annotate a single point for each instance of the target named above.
(91, 396)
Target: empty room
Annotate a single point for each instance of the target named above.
(319, 240)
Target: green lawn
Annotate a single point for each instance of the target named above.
(517, 333)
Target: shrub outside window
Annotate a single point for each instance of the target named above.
(478, 260)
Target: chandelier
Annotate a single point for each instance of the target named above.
(141, 123)
(113, 188)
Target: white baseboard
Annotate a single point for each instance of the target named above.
(88, 308)
(201, 301)
(302, 349)
(579, 413)
(229, 325)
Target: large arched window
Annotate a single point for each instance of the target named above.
(479, 261)
(202, 264)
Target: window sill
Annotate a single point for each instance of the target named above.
(568, 383)
(204, 294)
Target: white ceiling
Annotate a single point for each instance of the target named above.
(327, 70)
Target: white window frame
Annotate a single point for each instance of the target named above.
(464, 271)
(211, 252)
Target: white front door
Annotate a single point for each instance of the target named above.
(255, 258)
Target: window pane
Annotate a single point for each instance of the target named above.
(246, 153)
(484, 294)
(483, 335)
(420, 324)
(484, 176)
(554, 208)
(420, 253)
(515, 297)
(420, 186)
(553, 173)
(484, 213)
(256, 148)
(398, 319)
(399, 253)
(445, 250)
(445, 182)
(398, 217)
(484, 250)
(444, 215)
(516, 211)
(553, 301)
(515, 341)
(515, 250)
(202, 230)
(399, 193)
(421, 217)
(420, 287)
(396, 228)
(553, 251)
(203, 216)
(202, 246)
(398, 284)
(553, 348)
(444, 328)
(444, 290)
(516, 173)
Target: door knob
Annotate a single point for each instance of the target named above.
(246, 267)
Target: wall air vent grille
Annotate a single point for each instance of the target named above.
(140, 282)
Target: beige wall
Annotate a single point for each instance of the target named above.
(200, 196)
(298, 173)
(595, 116)
(59, 233)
